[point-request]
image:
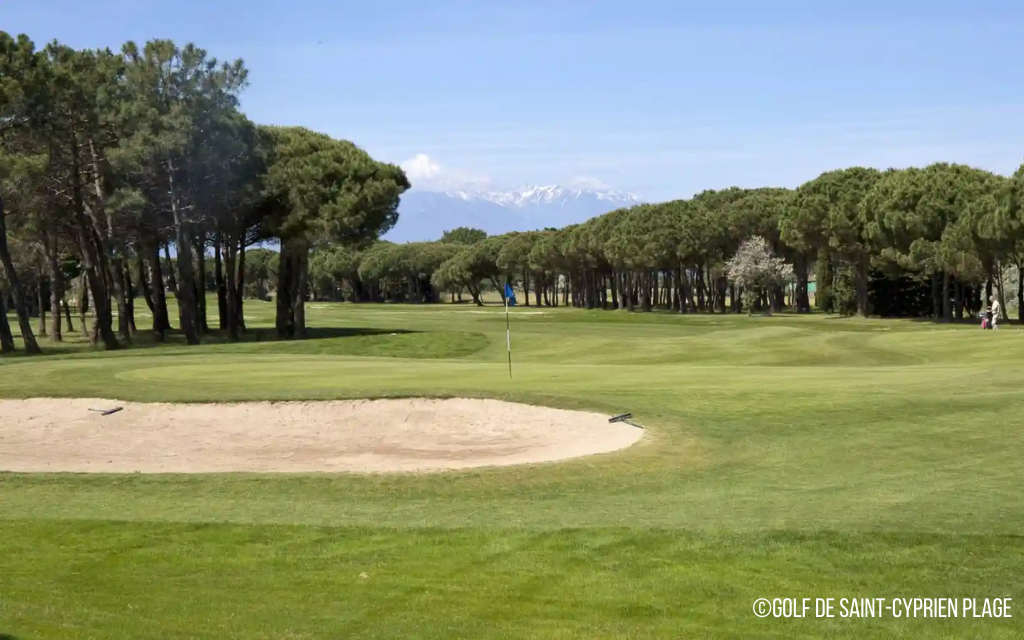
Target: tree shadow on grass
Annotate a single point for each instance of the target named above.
(321, 333)
(7, 636)
(966, 321)
(175, 344)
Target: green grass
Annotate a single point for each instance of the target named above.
(784, 457)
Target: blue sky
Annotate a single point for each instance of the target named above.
(657, 97)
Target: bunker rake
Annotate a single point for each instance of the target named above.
(106, 412)
(625, 417)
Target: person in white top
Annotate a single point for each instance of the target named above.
(995, 313)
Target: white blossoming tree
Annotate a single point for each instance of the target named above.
(756, 270)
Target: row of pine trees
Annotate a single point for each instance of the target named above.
(109, 160)
(935, 241)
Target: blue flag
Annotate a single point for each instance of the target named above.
(510, 295)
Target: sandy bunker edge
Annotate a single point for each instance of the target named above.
(335, 436)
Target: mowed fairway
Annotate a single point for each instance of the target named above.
(784, 457)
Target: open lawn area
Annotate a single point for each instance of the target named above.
(783, 457)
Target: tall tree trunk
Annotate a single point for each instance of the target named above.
(958, 293)
(285, 321)
(630, 291)
(936, 297)
(6, 337)
(645, 291)
(99, 295)
(230, 315)
(291, 290)
(474, 292)
(595, 286)
(1020, 293)
(41, 303)
(947, 303)
(168, 268)
(774, 299)
(83, 304)
(700, 289)
(161, 317)
(124, 315)
(1002, 291)
(803, 299)
(680, 300)
(824, 277)
(147, 292)
(186, 293)
(109, 262)
(56, 291)
(218, 276)
(67, 314)
(129, 297)
(94, 261)
(860, 278)
(31, 346)
(240, 286)
(200, 285)
(685, 293)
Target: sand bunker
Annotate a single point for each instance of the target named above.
(366, 436)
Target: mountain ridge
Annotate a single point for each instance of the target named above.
(425, 214)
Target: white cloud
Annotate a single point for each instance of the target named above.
(584, 182)
(421, 168)
(426, 173)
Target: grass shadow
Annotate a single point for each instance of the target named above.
(51, 349)
(268, 335)
(174, 342)
(966, 321)
(321, 333)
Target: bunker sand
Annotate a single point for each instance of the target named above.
(362, 436)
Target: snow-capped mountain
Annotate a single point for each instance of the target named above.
(536, 195)
(425, 215)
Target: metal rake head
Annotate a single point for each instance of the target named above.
(625, 417)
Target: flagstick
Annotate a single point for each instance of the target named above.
(508, 339)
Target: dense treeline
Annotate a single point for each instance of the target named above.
(108, 161)
(933, 241)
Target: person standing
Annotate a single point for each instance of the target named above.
(993, 314)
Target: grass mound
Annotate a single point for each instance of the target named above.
(382, 344)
